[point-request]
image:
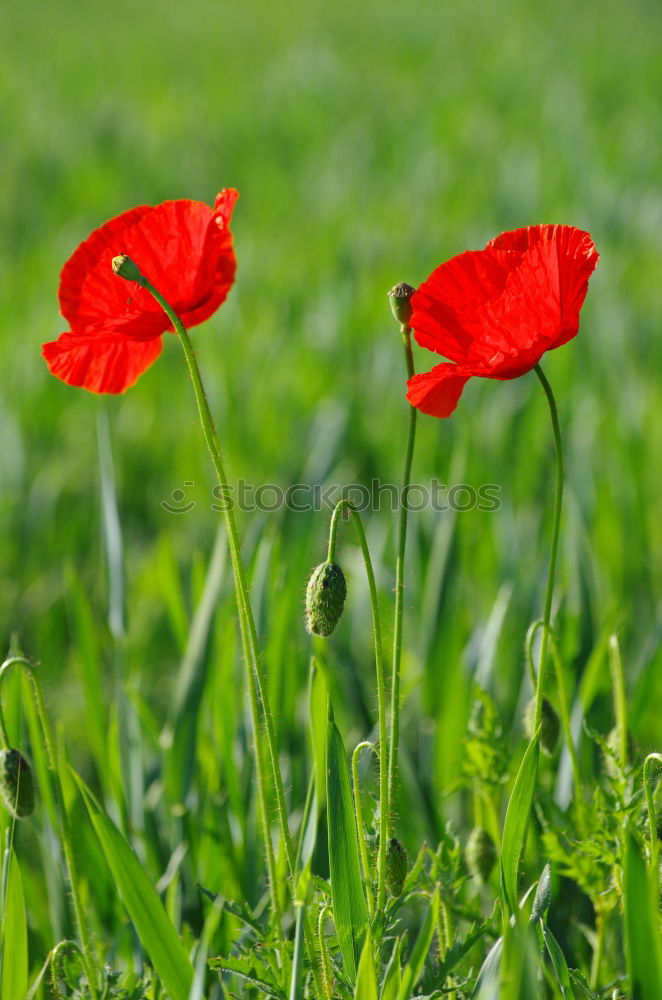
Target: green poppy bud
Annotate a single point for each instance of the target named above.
(612, 760)
(325, 598)
(124, 267)
(396, 867)
(16, 784)
(399, 297)
(480, 854)
(549, 720)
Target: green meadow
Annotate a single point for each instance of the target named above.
(369, 142)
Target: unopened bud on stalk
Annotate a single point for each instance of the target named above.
(124, 267)
(325, 598)
(550, 725)
(399, 297)
(396, 867)
(16, 784)
(480, 853)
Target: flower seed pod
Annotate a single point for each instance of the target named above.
(16, 784)
(480, 854)
(400, 300)
(325, 598)
(549, 720)
(396, 867)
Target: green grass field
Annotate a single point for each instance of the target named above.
(369, 143)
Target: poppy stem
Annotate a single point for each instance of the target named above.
(86, 955)
(258, 695)
(549, 593)
(384, 810)
(405, 330)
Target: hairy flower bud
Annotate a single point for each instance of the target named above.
(480, 854)
(396, 867)
(325, 598)
(399, 297)
(549, 721)
(16, 784)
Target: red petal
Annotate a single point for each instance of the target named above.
(183, 247)
(438, 391)
(100, 363)
(503, 307)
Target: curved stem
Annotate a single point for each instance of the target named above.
(65, 831)
(399, 588)
(360, 825)
(558, 502)
(384, 800)
(254, 671)
(653, 758)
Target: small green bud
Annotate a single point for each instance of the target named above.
(124, 267)
(16, 784)
(480, 854)
(549, 720)
(325, 598)
(396, 867)
(400, 296)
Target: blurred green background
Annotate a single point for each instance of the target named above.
(369, 142)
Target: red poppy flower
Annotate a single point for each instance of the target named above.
(494, 312)
(185, 250)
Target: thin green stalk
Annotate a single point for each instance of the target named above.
(360, 825)
(564, 711)
(620, 704)
(65, 831)
(256, 680)
(399, 587)
(384, 799)
(653, 758)
(558, 502)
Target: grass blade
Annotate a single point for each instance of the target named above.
(14, 936)
(350, 912)
(156, 933)
(366, 980)
(412, 970)
(643, 946)
(517, 821)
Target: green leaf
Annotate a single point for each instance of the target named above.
(366, 980)
(14, 936)
(157, 935)
(393, 975)
(412, 970)
(642, 935)
(298, 976)
(558, 961)
(350, 913)
(517, 821)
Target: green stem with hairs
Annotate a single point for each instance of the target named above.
(360, 825)
(384, 800)
(653, 758)
(405, 330)
(620, 704)
(556, 525)
(255, 675)
(50, 747)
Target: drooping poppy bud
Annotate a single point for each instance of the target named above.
(399, 297)
(16, 784)
(550, 725)
(325, 598)
(480, 853)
